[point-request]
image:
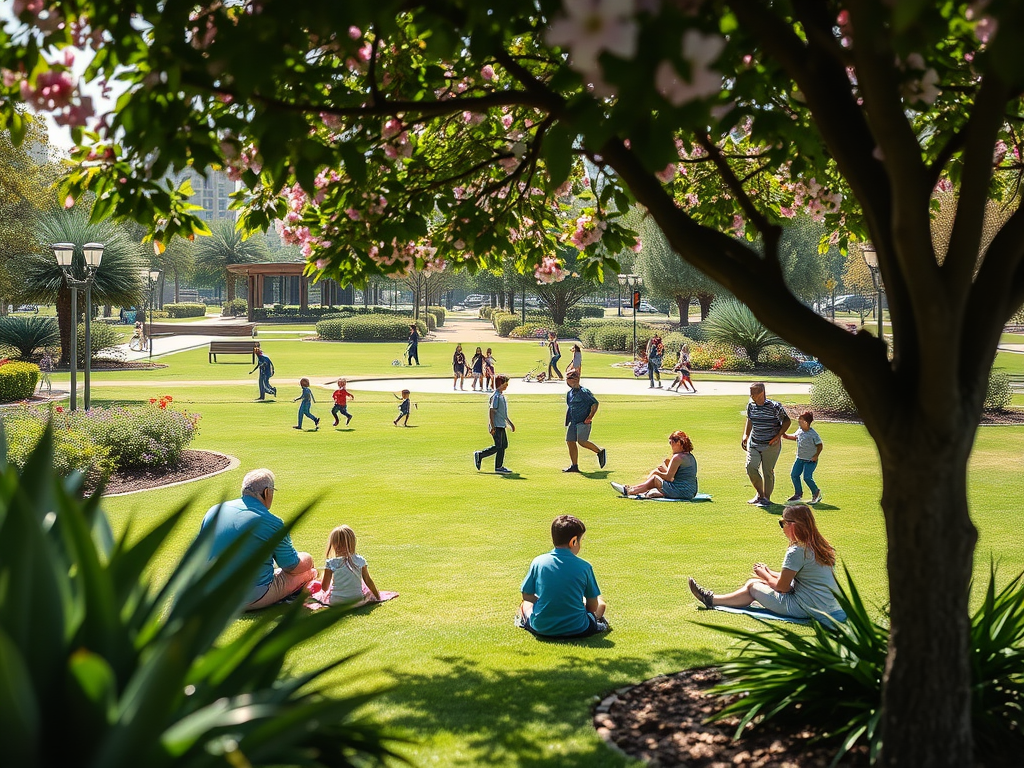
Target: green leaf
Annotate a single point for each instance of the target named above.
(557, 153)
(19, 706)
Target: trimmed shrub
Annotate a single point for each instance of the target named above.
(532, 331)
(730, 322)
(829, 394)
(74, 449)
(368, 328)
(17, 380)
(440, 312)
(718, 357)
(27, 334)
(104, 341)
(486, 312)
(504, 323)
(590, 310)
(235, 307)
(999, 392)
(430, 320)
(185, 310)
(779, 359)
(336, 315)
(612, 338)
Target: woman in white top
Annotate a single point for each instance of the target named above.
(805, 586)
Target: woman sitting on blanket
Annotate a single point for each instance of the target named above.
(806, 584)
(675, 478)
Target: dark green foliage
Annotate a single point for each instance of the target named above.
(102, 668)
(778, 359)
(369, 328)
(832, 678)
(440, 312)
(586, 310)
(504, 322)
(730, 322)
(185, 310)
(999, 393)
(104, 341)
(27, 334)
(17, 381)
(235, 307)
(828, 394)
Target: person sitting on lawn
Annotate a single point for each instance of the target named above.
(250, 518)
(560, 594)
(674, 478)
(806, 584)
(346, 578)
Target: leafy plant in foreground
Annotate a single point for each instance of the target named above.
(832, 678)
(102, 668)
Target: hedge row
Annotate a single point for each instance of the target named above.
(368, 328)
(17, 380)
(235, 308)
(440, 313)
(185, 310)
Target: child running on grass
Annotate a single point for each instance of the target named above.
(307, 400)
(346, 578)
(341, 398)
(808, 449)
(403, 408)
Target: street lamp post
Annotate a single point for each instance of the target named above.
(633, 282)
(871, 259)
(150, 277)
(93, 255)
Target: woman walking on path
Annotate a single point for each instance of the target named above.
(556, 354)
(655, 353)
(459, 367)
(805, 585)
(414, 345)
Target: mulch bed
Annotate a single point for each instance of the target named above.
(193, 464)
(116, 365)
(1008, 417)
(661, 721)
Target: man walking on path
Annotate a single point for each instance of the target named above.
(581, 407)
(497, 417)
(250, 518)
(767, 421)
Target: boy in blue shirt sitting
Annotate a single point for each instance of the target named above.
(560, 594)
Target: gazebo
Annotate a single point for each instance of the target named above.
(292, 283)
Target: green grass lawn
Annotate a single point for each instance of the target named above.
(466, 686)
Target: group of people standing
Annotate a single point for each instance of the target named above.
(480, 369)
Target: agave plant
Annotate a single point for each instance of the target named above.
(226, 245)
(730, 322)
(28, 334)
(832, 678)
(100, 667)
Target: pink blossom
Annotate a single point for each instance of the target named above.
(986, 29)
(666, 174)
(564, 189)
(699, 50)
(944, 185)
(487, 72)
(392, 128)
(364, 52)
(8, 77)
(69, 202)
(322, 263)
(459, 245)
(549, 271)
(637, 246)
(506, 121)
(591, 27)
(355, 33)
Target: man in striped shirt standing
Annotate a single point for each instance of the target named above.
(767, 421)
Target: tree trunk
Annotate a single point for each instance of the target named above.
(705, 300)
(683, 304)
(177, 287)
(229, 292)
(930, 553)
(512, 301)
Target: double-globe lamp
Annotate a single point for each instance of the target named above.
(871, 259)
(93, 255)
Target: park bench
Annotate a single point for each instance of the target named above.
(231, 348)
(203, 329)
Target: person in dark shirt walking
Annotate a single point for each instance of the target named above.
(581, 407)
(767, 422)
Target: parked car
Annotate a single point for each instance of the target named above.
(474, 301)
(27, 308)
(647, 307)
(853, 303)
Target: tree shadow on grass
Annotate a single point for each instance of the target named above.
(521, 717)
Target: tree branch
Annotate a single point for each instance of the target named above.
(735, 186)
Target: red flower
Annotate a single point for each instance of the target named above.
(59, 409)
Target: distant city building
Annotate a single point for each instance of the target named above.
(212, 193)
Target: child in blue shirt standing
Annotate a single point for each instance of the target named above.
(808, 449)
(403, 409)
(307, 400)
(560, 594)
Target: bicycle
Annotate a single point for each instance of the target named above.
(139, 341)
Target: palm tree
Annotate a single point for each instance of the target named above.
(226, 245)
(117, 279)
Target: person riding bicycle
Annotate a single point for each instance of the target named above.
(138, 340)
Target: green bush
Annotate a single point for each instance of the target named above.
(504, 323)
(368, 328)
(710, 356)
(104, 341)
(590, 310)
(486, 311)
(235, 307)
(282, 314)
(429, 319)
(142, 652)
(335, 315)
(779, 359)
(832, 678)
(696, 332)
(17, 380)
(26, 334)
(612, 338)
(828, 394)
(440, 312)
(532, 331)
(730, 322)
(74, 449)
(185, 310)
(999, 393)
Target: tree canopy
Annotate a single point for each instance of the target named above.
(391, 135)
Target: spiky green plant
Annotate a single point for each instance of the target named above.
(832, 678)
(100, 667)
(28, 334)
(224, 246)
(730, 322)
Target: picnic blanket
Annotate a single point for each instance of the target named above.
(760, 613)
(321, 599)
(698, 497)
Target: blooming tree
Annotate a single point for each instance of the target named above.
(377, 130)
